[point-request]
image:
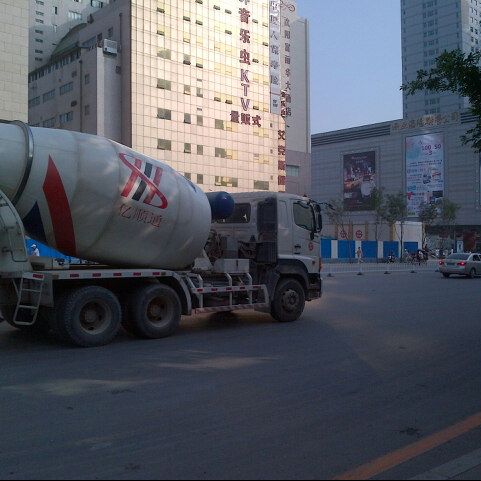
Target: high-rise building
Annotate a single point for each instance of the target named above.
(51, 20)
(13, 59)
(202, 85)
(298, 111)
(429, 28)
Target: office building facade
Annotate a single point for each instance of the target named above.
(199, 84)
(430, 27)
(51, 20)
(13, 59)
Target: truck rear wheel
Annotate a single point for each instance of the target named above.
(154, 312)
(88, 317)
(289, 301)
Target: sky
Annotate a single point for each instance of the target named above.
(356, 65)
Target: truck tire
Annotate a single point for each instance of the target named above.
(153, 312)
(87, 317)
(289, 301)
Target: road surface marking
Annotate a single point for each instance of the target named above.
(396, 458)
(454, 468)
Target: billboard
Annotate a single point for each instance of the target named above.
(424, 171)
(359, 181)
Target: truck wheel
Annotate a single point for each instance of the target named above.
(154, 312)
(88, 317)
(289, 301)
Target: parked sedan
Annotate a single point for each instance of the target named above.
(461, 265)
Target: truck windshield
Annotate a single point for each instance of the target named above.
(304, 217)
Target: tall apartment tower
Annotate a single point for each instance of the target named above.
(430, 27)
(13, 59)
(51, 20)
(199, 84)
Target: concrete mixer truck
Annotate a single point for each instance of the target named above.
(157, 246)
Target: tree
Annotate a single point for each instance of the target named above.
(459, 73)
(340, 218)
(449, 214)
(428, 214)
(396, 210)
(379, 208)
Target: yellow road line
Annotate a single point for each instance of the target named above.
(396, 458)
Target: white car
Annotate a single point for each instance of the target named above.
(462, 265)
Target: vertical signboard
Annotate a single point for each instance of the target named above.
(245, 37)
(275, 54)
(359, 181)
(424, 171)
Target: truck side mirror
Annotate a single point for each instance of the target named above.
(318, 216)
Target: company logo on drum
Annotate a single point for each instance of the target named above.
(144, 182)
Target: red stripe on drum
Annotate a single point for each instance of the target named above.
(60, 213)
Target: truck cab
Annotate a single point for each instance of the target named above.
(280, 235)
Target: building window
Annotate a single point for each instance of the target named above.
(164, 84)
(200, 179)
(164, 114)
(200, 121)
(164, 144)
(220, 153)
(49, 96)
(187, 89)
(50, 123)
(226, 181)
(293, 171)
(74, 15)
(261, 185)
(219, 124)
(165, 53)
(187, 148)
(66, 118)
(187, 119)
(66, 88)
(200, 150)
(34, 102)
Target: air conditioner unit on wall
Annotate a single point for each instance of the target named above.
(110, 47)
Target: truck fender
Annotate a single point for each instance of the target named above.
(288, 268)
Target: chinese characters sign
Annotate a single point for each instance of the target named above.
(275, 54)
(245, 60)
(426, 121)
(424, 171)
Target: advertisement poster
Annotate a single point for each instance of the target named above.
(424, 171)
(359, 181)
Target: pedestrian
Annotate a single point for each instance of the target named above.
(359, 255)
(34, 252)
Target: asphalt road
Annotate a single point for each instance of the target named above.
(379, 363)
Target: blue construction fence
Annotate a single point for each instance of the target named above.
(46, 251)
(345, 250)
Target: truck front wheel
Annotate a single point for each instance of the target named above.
(154, 312)
(289, 301)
